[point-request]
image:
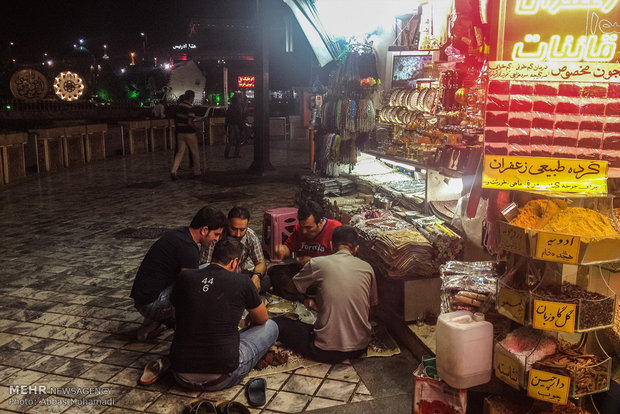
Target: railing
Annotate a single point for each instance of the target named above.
(14, 105)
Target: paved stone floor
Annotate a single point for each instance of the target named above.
(66, 269)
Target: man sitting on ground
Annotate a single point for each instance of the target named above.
(310, 238)
(175, 251)
(208, 352)
(252, 262)
(346, 291)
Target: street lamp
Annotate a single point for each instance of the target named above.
(133, 56)
(105, 52)
(144, 41)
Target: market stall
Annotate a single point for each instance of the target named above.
(483, 186)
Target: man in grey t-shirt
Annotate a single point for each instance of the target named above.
(346, 291)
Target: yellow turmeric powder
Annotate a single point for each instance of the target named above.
(580, 221)
(537, 213)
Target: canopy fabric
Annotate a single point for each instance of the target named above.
(306, 14)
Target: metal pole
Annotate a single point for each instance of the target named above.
(262, 162)
(225, 70)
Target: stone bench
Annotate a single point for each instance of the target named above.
(12, 158)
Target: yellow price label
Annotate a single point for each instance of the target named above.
(558, 247)
(507, 369)
(554, 316)
(513, 238)
(512, 304)
(546, 386)
(544, 174)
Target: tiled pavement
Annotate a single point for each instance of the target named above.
(66, 272)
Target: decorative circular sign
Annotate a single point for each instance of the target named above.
(28, 85)
(68, 86)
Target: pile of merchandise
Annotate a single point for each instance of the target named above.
(316, 188)
(468, 286)
(405, 253)
(448, 245)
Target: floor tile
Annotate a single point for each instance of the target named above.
(275, 381)
(344, 372)
(302, 384)
(49, 363)
(74, 368)
(137, 399)
(318, 403)
(24, 377)
(167, 404)
(289, 402)
(21, 342)
(361, 389)
(70, 349)
(318, 370)
(361, 397)
(128, 377)
(95, 354)
(336, 390)
(101, 372)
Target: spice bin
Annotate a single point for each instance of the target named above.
(562, 304)
(564, 228)
(589, 373)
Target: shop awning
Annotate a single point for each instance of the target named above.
(308, 19)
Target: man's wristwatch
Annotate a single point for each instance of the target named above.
(260, 275)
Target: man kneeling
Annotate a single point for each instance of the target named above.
(346, 291)
(208, 352)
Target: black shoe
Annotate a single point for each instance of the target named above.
(174, 177)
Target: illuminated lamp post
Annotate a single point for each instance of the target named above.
(133, 57)
(105, 52)
(144, 40)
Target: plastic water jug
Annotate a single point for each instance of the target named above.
(464, 349)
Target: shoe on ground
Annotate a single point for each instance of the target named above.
(232, 407)
(154, 370)
(200, 406)
(255, 391)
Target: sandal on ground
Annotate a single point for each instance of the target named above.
(200, 406)
(153, 371)
(255, 391)
(232, 407)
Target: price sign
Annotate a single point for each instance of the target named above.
(558, 247)
(546, 386)
(507, 369)
(554, 316)
(513, 238)
(544, 174)
(512, 304)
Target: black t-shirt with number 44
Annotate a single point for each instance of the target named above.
(209, 304)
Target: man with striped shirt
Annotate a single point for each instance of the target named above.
(186, 132)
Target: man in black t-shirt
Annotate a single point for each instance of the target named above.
(208, 352)
(175, 251)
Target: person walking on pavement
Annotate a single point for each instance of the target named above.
(234, 124)
(186, 133)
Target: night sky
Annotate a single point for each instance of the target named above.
(40, 26)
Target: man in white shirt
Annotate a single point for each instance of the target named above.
(347, 290)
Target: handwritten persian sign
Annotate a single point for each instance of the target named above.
(554, 316)
(582, 30)
(547, 386)
(507, 369)
(558, 247)
(554, 71)
(513, 238)
(544, 174)
(512, 304)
